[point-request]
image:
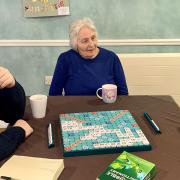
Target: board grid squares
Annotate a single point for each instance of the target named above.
(101, 132)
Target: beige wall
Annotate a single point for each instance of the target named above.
(153, 74)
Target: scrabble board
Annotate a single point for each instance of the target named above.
(101, 132)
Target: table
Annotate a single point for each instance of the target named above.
(165, 147)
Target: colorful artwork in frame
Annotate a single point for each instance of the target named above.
(40, 8)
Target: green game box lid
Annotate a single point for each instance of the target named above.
(128, 167)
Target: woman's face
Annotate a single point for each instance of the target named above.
(87, 43)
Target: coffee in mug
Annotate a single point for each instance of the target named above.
(109, 93)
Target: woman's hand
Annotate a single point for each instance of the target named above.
(24, 125)
(6, 78)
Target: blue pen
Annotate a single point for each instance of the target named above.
(152, 123)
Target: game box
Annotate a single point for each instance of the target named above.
(128, 167)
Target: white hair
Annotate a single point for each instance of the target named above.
(76, 26)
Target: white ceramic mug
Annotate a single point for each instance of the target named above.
(38, 105)
(109, 93)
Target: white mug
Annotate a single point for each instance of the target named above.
(109, 93)
(38, 105)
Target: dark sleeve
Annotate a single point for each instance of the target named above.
(13, 101)
(59, 77)
(10, 139)
(119, 76)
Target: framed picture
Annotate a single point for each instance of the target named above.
(40, 8)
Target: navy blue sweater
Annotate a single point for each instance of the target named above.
(10, 139)
(12, 106)
(79, 76)
(12, 103)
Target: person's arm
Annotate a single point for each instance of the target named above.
(12, 137)
(9, 140)
(12, 97)
(13, 102)
(119, 76)
(59, 77)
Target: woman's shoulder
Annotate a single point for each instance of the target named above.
(106, 51)
(67, 55)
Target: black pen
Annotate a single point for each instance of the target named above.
(152, 123)
(5, 177)
(50, 136)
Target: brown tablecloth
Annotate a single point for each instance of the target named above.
(165, 151)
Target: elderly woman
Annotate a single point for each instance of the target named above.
(86, 67)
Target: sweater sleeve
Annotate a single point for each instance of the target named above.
(12, 103)
(59, 77)
(10, 139)
(119, 76)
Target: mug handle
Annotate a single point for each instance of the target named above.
(98, 94)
